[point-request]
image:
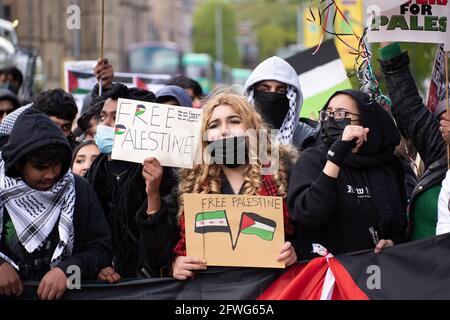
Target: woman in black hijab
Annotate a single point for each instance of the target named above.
(348, 193)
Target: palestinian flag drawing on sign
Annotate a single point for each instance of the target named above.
(120, 129)
(252, 223)
(140, 110)
(215, 221)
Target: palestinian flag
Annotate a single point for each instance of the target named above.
(81, 82)
(124, 78)
(140, 83)
(140, 110)
(120, 129)
(436, 91)
(251, 223)
(410, 271)
(320, 76)
(215, 221)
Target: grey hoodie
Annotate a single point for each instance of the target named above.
(275, 68)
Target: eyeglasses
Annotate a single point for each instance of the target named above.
(338, 115)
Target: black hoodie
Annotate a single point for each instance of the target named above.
(92, 248)
(367, 195)
(32, 130)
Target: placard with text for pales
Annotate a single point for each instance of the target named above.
(408, 21)
(168, 133)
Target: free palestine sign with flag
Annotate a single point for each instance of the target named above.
(168, 133)
(234, 230)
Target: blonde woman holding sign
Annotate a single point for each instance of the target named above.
(227, 119)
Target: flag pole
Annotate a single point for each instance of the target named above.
(447, 103)
(102, 34)
(234, 244)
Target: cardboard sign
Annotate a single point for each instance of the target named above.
(168, 133)
(234, 230)
(383, 5)
(413, 21)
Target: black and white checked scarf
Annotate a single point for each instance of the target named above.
(8, 123)
(286, 132)
(34, 213)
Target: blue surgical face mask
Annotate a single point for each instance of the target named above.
(104, 138)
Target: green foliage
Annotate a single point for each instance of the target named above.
(421, 57)
(274, 23)
(205, 31)
(270, 37)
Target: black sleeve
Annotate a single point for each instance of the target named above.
(413, 118)
(159, 233)
(398, 236)
(105, 93)
(312, 195)
(93, 248)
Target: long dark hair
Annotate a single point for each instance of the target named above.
(78, 148)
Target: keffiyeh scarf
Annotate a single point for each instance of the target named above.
(34, 213)
(286, 132)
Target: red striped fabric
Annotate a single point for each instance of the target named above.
(305, 282)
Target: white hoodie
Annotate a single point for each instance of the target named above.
(275, 68)
(443, 224)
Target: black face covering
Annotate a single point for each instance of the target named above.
(332, 129)
(272, 106)
(231, 152)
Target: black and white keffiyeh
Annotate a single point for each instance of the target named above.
(286, 132)
(8, 123)
(34, 213)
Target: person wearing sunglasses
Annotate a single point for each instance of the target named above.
(348, 194)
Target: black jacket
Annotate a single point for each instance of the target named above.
(159, 234)
(121, 202)
(369, 192)
(124, 199)
(92, 249)
(416, 122)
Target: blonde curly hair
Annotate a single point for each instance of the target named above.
(205, 177)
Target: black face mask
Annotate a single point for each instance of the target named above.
(71, 139)
(332, 130)
(231, 152)
(272, 106)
